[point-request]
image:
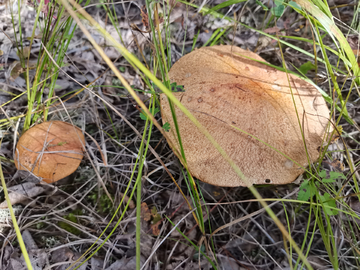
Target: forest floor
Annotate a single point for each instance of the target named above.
(63, 221)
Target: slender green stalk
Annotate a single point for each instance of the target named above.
(16, 226)
(31, 93)
(306, 234)
(138, 206)
(138, 194)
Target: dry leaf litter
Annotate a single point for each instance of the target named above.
(60, 222)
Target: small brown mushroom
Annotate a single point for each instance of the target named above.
(225, 90)
(51, 150)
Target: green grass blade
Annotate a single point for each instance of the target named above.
(326, 21)
(13, 218)
(223, 5)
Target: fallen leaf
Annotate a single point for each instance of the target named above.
(337, 165)
(154, 228)
(272, 30)
(145, 212)
(145, 18)
(22, 192)
(16, 69)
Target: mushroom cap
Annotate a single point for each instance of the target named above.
(50, 150)
(224, 90)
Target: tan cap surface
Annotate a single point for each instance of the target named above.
(223, 89)
(50, 150)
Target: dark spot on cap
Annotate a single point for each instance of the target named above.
(267, 181)
(200, 100)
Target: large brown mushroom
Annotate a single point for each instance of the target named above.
(51, 150)
(225, 90)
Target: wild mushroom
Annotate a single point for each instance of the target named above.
(247, 107)
(51, 150)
